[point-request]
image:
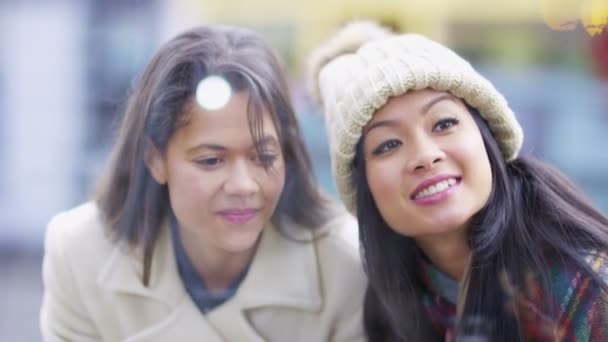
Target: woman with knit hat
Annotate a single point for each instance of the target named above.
(461, 238)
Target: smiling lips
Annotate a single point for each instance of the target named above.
(435, 189)
(238, 216)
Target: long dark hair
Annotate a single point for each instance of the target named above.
(535, 217)
(131, 202)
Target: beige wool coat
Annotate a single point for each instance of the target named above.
(300, 289)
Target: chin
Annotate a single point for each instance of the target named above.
(240, 244)
(436, 227)
(237, 248)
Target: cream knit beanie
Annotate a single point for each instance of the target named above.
(358, 69)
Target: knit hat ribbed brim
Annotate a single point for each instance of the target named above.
(357, 70)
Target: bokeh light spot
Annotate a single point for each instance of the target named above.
(213, 93)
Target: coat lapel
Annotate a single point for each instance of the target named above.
(283, 273)
(123, 271)
(184, 322)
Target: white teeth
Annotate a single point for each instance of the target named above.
(433, 189)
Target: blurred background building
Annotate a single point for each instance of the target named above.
(66, 68)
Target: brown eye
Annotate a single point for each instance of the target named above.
(387, 146)
(265, 159)
(209, 162)
(445, 124)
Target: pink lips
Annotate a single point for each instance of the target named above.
(238, 216)
(438, 197)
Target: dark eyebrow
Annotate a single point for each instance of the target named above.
(424, 110)
(386, 123)
(213, 147)
(268, 139)
(436, 100)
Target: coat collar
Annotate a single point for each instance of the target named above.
(284, 272)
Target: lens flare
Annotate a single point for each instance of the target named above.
(213, 93)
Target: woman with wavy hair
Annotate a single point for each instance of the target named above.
(462, 238)
(207, 225)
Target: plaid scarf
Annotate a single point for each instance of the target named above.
(582, 310)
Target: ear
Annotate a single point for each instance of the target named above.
(155, 162)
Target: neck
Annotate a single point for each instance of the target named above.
(218, 268)
(449, 252)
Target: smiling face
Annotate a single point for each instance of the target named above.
(222, 191)
(426, 164)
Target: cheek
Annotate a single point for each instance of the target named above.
(190, 188)
(384, 182)
(484, 170)
(273, 181)
(472, 154)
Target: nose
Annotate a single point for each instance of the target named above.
(425, 155)
(240, 182)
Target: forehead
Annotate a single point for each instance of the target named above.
(415, 102)
(229, 125)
